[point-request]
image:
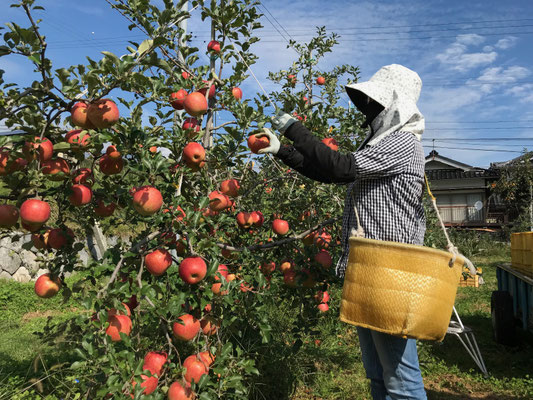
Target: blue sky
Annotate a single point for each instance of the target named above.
(475, 58)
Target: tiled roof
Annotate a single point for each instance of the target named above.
(437, 174)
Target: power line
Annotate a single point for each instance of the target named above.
(475, 139)
(479, 122)
(439, 24)
(493, 128)
(477, 149)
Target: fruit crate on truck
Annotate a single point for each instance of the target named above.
(513, 301)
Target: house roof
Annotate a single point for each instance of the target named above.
(512, 161)
(434, 156)
(438, 174)
(456, 170)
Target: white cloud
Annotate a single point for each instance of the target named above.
(523, 92)
(458, 58)
(504, 75)
(470, 39)
(507, 42)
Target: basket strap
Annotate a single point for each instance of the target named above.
(359, 232)
(450, 247)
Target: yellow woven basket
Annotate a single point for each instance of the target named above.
(400, 289)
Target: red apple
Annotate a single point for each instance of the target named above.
(125, 311)
(177, 391)
(149, 383)
(57, 168)
(213, 47)
(208, 326)
(195, 368)
(103, 210)
(185, 75)
(244, 219)
(192, 270)
(16, 165)
(207, 358)
(118, 324)
(34, 213)
(230, 187)
(280, 226)
(9, 215)
(40, 240)
(177, 99)
(257, 143)
(257, 218)
(212, 90)
(47, 286)
(111, 165)
(147, 200)
(78, 116)
(78, 139)
(103, 113)
(268, 267)
(154, 362)
(324, 258)
(195, 104)
(285, 266)
(59, 238)
(323, 307)
(80, 195)
(218, 201)
(191, 126)
(82, 175)
(322, 297)
(292, 79)
(289, 278)
(4, 158)
(44, 148)
(237, 93)
(331, 143)
(320, 80)
(322, 240)
(194, 155)
(158, 261)
(186, 328)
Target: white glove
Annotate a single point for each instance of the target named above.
(282, 121)
(274, 142)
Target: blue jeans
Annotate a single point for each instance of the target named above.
(391, 364)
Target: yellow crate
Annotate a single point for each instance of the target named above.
(469, 281)
(517, 256)
(517, 241)
(527, 240)
(527, 257)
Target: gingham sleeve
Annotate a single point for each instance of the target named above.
(389, 157)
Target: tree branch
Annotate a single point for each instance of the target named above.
(281, 242)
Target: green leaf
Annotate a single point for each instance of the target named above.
(35, 58)
(145, 46)
(112, 56)
(62, 146)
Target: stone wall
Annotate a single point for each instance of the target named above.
(18, 263)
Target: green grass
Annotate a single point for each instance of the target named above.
(328, 369)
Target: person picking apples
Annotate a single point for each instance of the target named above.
(385, 180)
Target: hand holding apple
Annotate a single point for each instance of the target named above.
(272, 147)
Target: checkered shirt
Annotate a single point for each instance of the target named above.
(387, 192)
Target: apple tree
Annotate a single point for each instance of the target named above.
(181, 306)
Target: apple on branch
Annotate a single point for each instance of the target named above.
(47, 285)
(192, 270)
(178, 98)
(195, 104)
(9, 215)
(103, 113)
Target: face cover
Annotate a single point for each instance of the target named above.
(396, 89)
